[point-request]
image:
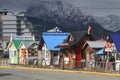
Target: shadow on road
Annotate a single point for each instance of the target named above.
(4, 74)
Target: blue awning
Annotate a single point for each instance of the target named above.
(100, 51)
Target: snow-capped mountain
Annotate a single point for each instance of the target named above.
(65, 16)
(111, 22)
(60, 11)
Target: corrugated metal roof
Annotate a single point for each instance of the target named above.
(116, 40)
(28, 44)
(96, 44)
(53, 39)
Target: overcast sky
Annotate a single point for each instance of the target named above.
(94, 7)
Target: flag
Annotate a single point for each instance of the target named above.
(89, 28)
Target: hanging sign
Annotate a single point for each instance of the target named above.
(23, 37)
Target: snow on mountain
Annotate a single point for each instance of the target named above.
(111, 22)
(60, 13)
(65, 16)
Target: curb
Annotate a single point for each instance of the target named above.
(70, 71)
(6, 67)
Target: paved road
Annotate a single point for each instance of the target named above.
(23, 74)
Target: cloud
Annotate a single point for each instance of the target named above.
(17, 5)
(98, 7)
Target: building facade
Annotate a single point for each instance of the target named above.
(50, 55)
(0, 27)
(16, 25)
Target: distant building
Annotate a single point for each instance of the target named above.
(0, 27)
(16, 25)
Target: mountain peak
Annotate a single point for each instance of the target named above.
(110, 22)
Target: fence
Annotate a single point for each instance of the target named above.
(77, 65)
(4, 62)
(113, 67)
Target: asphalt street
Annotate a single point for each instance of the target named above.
(31, 74)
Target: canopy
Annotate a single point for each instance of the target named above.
(100, 51)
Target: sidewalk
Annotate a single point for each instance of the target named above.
(58, 70)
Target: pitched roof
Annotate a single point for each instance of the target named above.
(56, 29)
(102, 40)
(96, 44)
(77, 36)
(52, 39)
(17, 42)
(116, 40)
(28, 44)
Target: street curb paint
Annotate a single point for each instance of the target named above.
(70, 71)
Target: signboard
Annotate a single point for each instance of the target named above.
(66, 60)
(55, 33)
(23, 37)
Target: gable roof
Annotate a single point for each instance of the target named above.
(77, 36)
(116, 40)
(28, 44)
(17, 42)
(102, 40)
(96, 44)
(52, 39)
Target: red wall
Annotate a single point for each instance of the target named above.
(78, 54)
(78, 51)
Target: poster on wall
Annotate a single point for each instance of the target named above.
(66, 60)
